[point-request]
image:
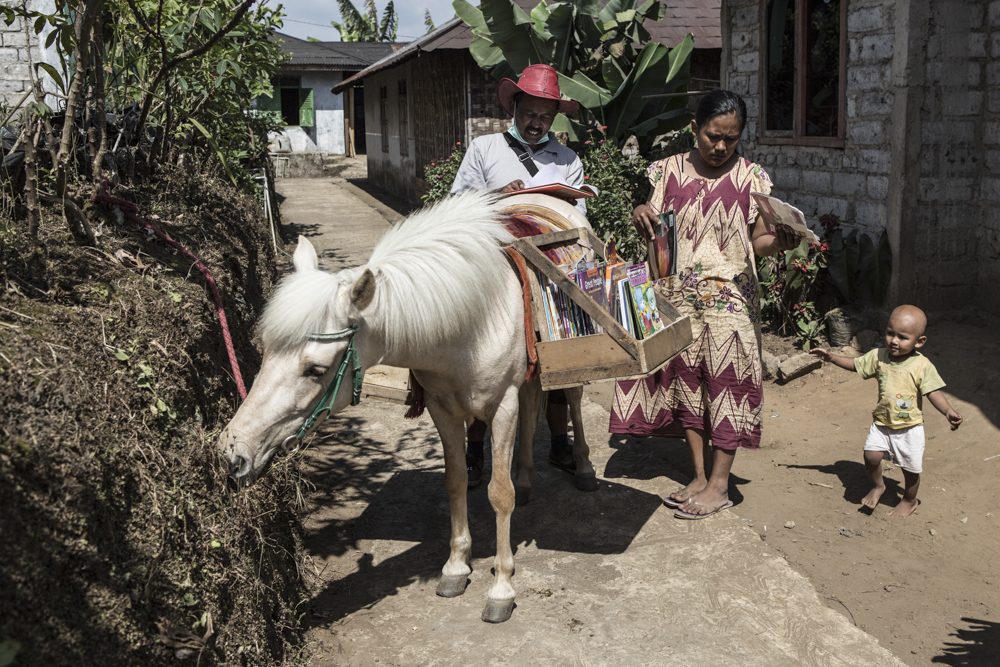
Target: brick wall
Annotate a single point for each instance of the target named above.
(851, 182)
(14, 76)
(485, 114)
(947, 222)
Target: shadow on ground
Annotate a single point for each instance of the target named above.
(651, 458)
(978, 645)
(411, 506)
(855, 482)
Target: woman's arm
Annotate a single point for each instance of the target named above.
(766, 244)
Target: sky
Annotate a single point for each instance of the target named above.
(311, 18)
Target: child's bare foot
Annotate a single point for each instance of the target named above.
(904, 508)
(871, 500)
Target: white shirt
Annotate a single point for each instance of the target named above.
(490, 164)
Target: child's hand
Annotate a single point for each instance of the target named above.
(820, 353)
(954, 419)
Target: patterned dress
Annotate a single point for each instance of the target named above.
(715, 384)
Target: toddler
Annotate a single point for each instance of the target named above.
(904, 377)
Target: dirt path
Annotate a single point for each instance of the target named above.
(609, 578)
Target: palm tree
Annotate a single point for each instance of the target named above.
(358, 27)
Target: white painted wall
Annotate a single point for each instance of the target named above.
(327, 134)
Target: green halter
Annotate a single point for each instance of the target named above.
(325, 404)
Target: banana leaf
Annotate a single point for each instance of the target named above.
(472, 16)
(588, 93)
(513, 32)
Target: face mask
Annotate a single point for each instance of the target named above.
(517, 135)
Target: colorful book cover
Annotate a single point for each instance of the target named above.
(625, 307)
(637, 274)
(615, 273)
(647, 317)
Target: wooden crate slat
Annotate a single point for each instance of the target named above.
(387, 383)
(614, 354)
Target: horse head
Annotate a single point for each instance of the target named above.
(308, 330)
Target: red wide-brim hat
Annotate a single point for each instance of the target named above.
(538, 81)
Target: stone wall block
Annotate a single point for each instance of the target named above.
(846, 183)
(878, 187)
(864, 20)
(8, 55)
(866, 133)
(993, 160)
(993, 74)
(14, 39)
(869, 215)
(994, 13)
(804, 202)
(786, 177)
(877, 103)
(877, 47)
(748, 62)
(995, 46)
(977, 45)
(991, 189)
(818, 182)
(993, 101)
(11, 86)
(874, 161)
(833, 205)
(975, 74)
(865, 78)
(740, 40)
(962, 103)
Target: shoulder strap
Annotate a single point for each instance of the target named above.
(521, 154)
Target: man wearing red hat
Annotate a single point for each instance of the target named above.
(504, 162)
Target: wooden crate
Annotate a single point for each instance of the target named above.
(387, 383)
(612, 355)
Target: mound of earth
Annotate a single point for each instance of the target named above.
(121, 541)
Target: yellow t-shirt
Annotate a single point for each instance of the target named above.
(901, 386)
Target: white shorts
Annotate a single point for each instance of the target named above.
(905, 446)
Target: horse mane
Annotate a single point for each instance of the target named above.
(438, 272)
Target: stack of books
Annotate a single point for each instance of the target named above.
(624, 290)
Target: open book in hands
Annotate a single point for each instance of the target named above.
(549, 180)
(776, 212)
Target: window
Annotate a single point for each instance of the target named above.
(289, 101)
(803, 64)
(383, 109)
(404, 133)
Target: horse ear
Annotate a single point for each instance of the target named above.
(305, 258)
(363, 290)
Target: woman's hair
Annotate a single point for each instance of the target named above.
(721, 103)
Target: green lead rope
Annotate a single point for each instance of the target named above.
(351, 357)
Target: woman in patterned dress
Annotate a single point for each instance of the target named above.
(712, 391)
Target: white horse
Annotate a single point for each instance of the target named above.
(438, 296)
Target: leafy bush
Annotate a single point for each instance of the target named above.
(440, 175)
(622, 185)
(800, 286)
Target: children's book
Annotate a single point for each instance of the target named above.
(776, 212)
(663, 247)
(592, 283)
(647, 316)
(625, 307)
(615, 274)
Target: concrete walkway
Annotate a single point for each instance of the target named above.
(607, 578)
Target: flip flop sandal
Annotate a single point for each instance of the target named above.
(681, 514)
(671, 503)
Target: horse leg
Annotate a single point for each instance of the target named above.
(585, 477)
(500, 599)
(531, 403)
(454, 575)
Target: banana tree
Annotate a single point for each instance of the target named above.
(604, 58)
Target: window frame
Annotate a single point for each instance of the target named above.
(801, 29)
(383, 121)
(404, 118)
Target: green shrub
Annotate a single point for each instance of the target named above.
(622, 185)
(440, 175)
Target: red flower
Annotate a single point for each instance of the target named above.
(586, 177)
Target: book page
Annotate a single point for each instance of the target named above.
(776, 212)
(547, 175)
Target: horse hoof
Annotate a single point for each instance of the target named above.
(521, 496)
(498, 611)
(453, 586)
(586, 481)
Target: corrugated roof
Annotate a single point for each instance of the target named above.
(701, 18)
(350, 56)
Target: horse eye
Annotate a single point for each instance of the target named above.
(315, 371)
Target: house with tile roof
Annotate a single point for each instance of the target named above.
(407, 128)
(316, 119)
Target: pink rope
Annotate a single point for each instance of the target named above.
(130, 209)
